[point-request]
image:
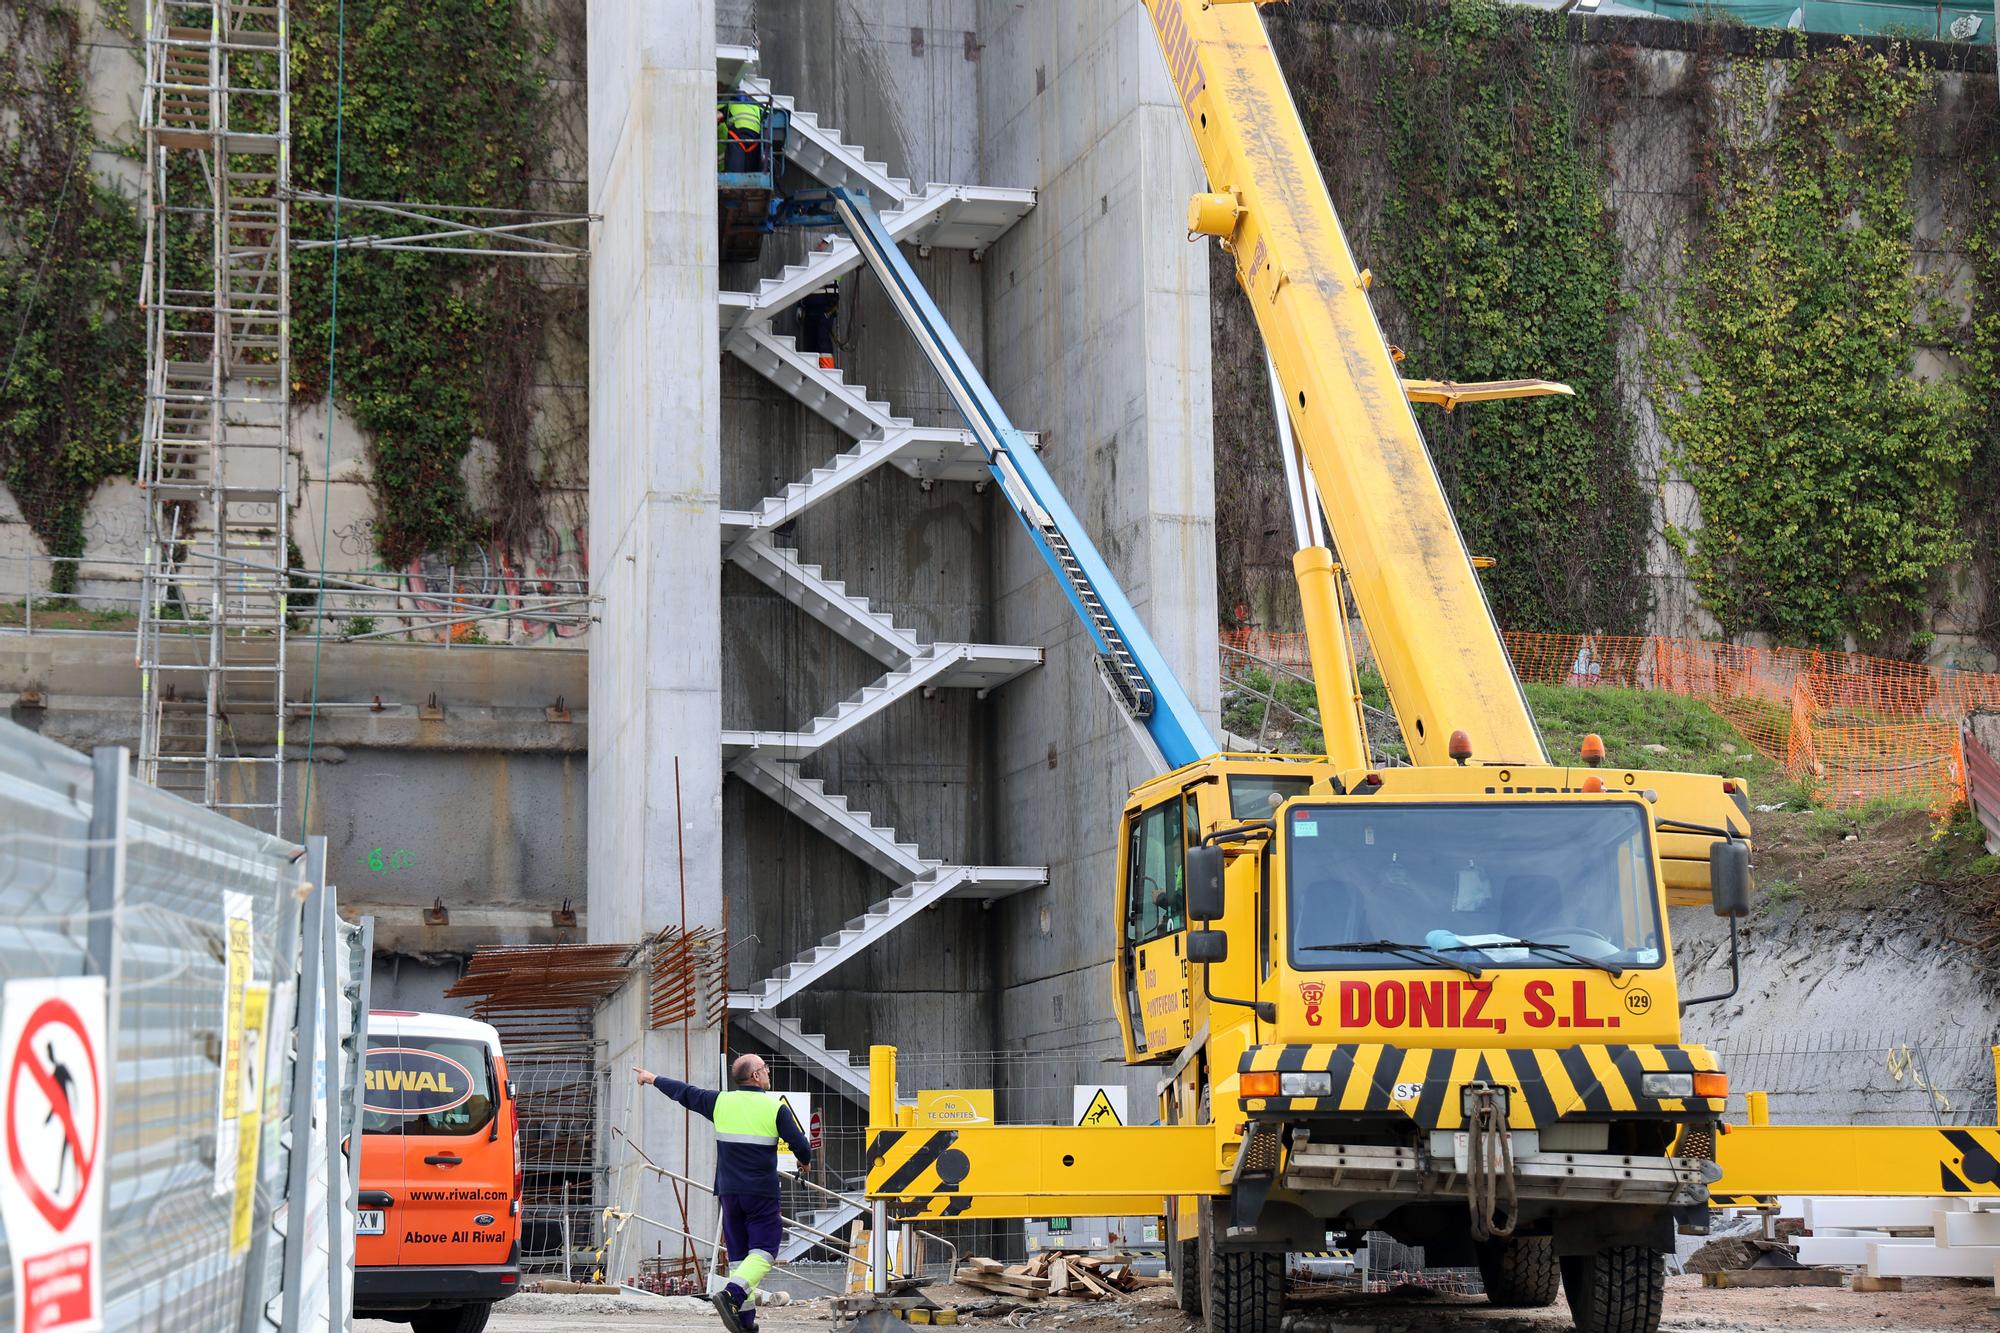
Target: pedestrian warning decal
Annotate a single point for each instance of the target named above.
(1097, 1106)
(52, 1187)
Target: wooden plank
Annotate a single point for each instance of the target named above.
(1869, 1282)
(1932, 1260)
(1775, 1277)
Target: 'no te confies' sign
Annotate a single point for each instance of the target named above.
(57, 1094)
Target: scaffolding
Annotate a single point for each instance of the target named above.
(215, 457)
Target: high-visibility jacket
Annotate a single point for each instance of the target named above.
(742, 121)
(748, 1125)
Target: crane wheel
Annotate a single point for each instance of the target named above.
(1184, 1262)
(1618, 1290)
(1242, 1291)
(1520, 1272)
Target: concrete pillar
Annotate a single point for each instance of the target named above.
(1097, 332)
(655, 689)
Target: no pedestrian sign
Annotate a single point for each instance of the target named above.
(52, 1181)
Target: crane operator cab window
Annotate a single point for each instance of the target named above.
(1549, 884)
(1156, 881)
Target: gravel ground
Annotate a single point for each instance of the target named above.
(1929, 1306)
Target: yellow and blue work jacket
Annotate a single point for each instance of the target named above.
(748, 1125)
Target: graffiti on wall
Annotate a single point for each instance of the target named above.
(480, 593)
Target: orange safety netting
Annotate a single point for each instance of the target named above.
(1850, 727)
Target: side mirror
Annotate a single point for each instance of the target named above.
(1207, 946)
(1729, 877)
(1204, 883)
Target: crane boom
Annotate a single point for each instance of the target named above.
(1433, 634)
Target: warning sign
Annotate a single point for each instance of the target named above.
(1097, 1105)
(52, 1187)
(236, 914)
(256, 1009)
(802, 1111)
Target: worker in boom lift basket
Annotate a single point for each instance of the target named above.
(739, 132)
(749, 1121)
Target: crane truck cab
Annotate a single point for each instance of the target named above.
(1435, 1002)
(438, 1241)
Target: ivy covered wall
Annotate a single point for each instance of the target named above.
(72, 343)
(1767, 270)
(458, 442)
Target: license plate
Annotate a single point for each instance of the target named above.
(368, 1222)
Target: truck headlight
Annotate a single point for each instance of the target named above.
(1666, 1085)
(1306, 1085)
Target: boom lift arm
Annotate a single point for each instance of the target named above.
(1145, 688)
(1425, 612)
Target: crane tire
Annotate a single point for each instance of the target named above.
(1243, 1291)
(1184, 1264)
(1618, 1290)
(1520, 1272)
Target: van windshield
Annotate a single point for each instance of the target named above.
(1470, 885)
(427, 1085)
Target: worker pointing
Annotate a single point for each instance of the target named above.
(749, 1121)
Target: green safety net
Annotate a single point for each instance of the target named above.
(1951, 20)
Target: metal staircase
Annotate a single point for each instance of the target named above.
(215, 456)
(820, 150)
(978, 666)
(880, 920)
(951, 216)
(825, 600)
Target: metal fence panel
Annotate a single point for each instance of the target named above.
(160, 932)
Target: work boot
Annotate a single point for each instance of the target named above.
(729, 1304)
(747, 1316)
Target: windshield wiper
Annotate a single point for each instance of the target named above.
(1558, 949)
(1423, 951)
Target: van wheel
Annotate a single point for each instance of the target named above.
(1519, 1272)
(1618, 1290)
(461, 1319)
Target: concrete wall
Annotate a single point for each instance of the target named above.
(655, 776)
(482, 807)
(1097, 330)
(899, 79)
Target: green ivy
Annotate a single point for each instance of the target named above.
(445, 102)
(1828, 474)
(1977, 224)
(72, 343)
(1502, 262)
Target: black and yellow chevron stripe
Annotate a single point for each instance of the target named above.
(901, 1160)
(1549, 1083)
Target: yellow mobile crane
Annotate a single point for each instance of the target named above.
(1437, 1001)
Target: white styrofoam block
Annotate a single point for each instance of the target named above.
(1843, 1249)
(1875, 1212)
(1932, 1260)
(1966, 1228)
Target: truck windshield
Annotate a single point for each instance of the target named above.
(1473, 885)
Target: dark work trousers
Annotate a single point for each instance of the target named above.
(751, 1230)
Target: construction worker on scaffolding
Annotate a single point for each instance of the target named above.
(749, 1120)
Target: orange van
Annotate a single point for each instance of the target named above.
(440, 1208)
